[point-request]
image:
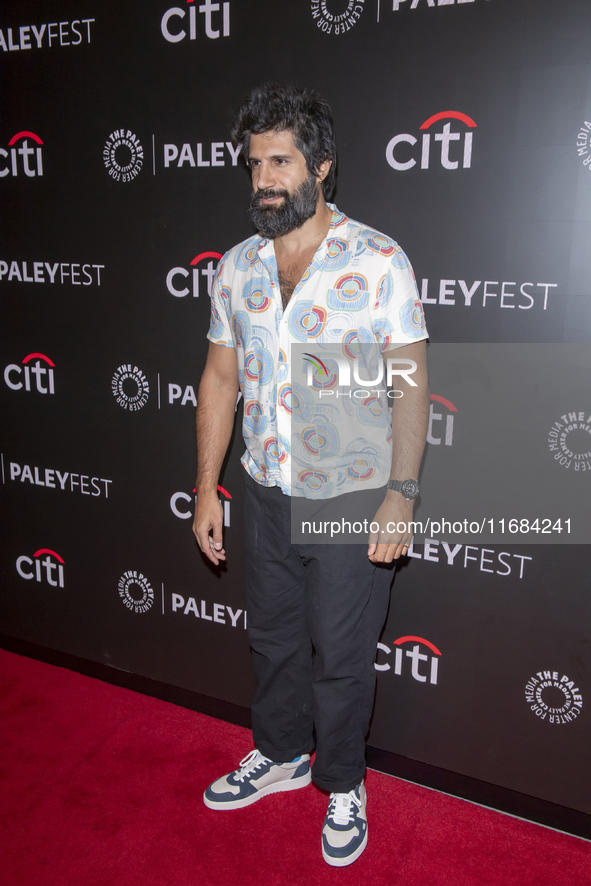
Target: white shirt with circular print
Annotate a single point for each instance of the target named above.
(359, 289)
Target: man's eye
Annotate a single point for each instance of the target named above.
(253, 163)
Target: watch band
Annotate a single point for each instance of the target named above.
(409, 488)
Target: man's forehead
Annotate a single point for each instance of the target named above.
(272, 142)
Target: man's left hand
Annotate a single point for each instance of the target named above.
(388, 543)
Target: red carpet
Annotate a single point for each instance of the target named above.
(103, 786)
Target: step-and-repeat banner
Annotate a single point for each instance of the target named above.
(464, 132)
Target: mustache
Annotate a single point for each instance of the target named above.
(266, 193)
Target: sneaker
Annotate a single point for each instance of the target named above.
(344, 834)
(256, 778)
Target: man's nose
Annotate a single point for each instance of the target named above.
(265, 176)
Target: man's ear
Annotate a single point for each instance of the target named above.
(323, 169)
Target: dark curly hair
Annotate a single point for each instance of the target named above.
(274, 107)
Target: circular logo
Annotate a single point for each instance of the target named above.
(569, 441)
(336, 16)
(556, 700)
(130, 387)
(136, 591)
(584, 144)
(123, 155)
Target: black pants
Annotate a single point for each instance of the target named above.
(315, 613)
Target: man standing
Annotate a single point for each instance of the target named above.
(315, 611)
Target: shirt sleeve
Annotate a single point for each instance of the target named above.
(396, 312)
(220, 330)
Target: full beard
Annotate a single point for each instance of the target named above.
(276, 221)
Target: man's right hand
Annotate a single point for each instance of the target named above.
(209, 518)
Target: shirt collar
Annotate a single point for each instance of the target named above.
(339, 225)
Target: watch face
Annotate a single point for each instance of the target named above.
(410, 488)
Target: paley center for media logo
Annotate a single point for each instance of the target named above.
(584, 144)
(123, 155)
(45, 566)
(401, 159)
(336, 16)
(339, 16)
(137, 595)
(130, 387)
(178, 497)
(195, 273)
(19, 377)
(135, 591)
(569, 440)
(205, 19)
(422, 666)
(553, 699)
(22, 157)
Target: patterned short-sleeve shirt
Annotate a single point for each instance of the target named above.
(358, 288)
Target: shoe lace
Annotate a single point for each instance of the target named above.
(341, 809)
(250, 763)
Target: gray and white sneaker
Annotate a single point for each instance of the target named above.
(257, 777)
(344, 834)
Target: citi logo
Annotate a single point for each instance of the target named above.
(398, 157)
(45, 566)
(225, 498)
(17, 377)
(215, 22)
(207, 271)
(418, 671)
(24, 158)
(446, 430)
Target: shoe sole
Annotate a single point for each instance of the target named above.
(343, 862)
(290, 785)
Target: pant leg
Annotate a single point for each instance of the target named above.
(348, 600)
(282, 719)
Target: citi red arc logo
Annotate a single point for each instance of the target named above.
(17, 377)
(21, 156)
(416, 657)
(178, 497)
(398, 157)
(208, 272)
(45, 566)
(448, 428)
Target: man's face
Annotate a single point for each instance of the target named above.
(285, 194)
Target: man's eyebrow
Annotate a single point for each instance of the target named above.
(273, 157)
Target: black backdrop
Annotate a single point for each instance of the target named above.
(116, 178)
